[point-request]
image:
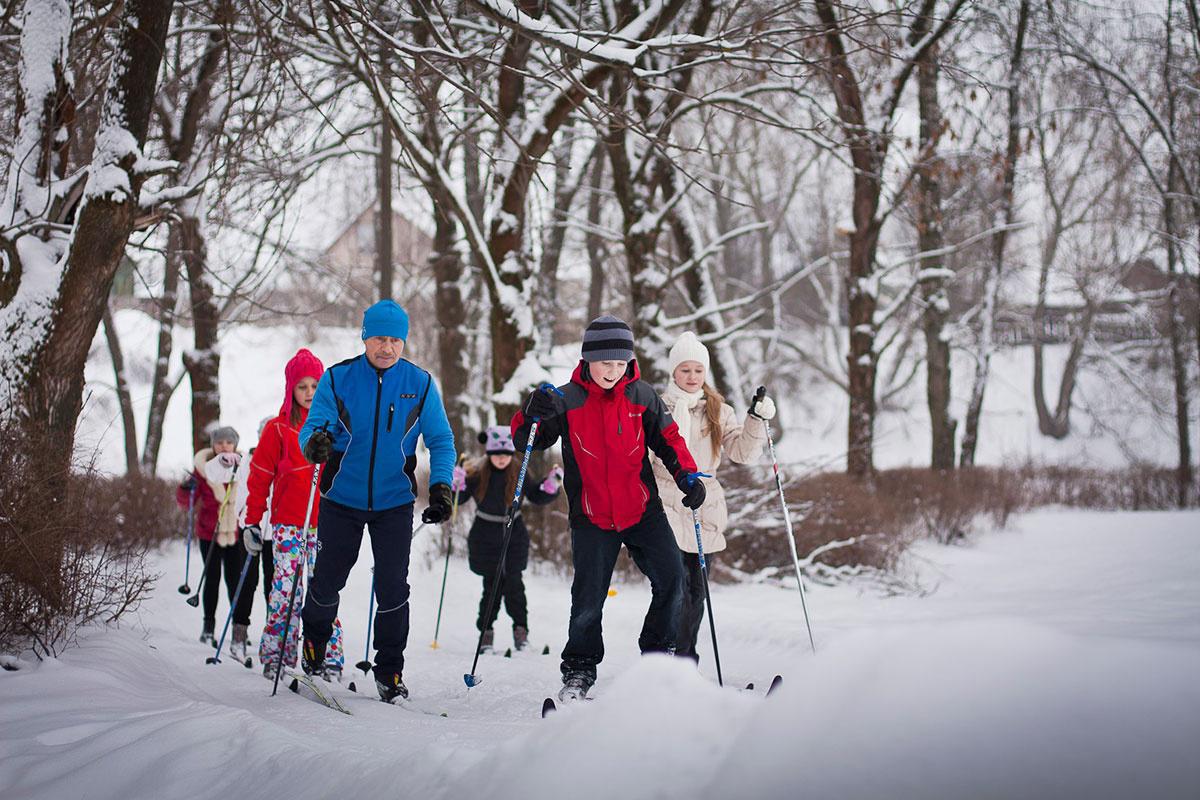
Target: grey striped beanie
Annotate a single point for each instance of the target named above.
(607, 339)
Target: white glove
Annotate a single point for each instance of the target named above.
(763, 408)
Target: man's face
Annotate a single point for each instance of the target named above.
(607, 373)
(383, 351)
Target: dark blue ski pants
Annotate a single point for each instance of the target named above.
(339, 536)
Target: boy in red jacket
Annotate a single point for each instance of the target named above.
(609, 421)
(279, 469)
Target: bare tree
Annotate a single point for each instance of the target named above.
(62, 239)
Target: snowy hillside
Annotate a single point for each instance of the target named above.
(1105, 433)
(1055, 659)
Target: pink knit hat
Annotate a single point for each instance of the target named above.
(303, 365)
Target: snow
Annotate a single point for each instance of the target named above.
(1053, 659)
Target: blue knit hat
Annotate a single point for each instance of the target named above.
(385, 318)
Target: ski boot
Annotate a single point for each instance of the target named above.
(390, 686)
(206, 635)
(489, 639)
(238, 646)
(575, 687)
(520, 637)
(312, 660)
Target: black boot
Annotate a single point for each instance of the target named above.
(390, 686)
(520, 637)
(312, 658)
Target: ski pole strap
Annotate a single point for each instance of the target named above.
(693, 476)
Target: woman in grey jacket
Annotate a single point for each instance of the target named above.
(712, 430)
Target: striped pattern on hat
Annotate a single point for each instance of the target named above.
(607, 339)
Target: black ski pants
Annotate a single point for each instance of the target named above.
(594, 553)
(228, 560)
(339, 535)
(691, 610)
(512, 592)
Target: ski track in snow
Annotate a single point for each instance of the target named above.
(1057, 658)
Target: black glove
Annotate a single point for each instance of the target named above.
(439, 505)
(540, 405)
(693, 494)
(252, 539)
(189, 483)
(318, 448)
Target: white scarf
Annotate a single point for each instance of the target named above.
(682, 402)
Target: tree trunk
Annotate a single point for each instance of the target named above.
(52, 398)
(452, 320)
(124, 400)
(160, 387)
(203, 361)
(545, 290)
(1007, 213)
(861, 366)
(595, 244)
(384, 257)
(932, 278)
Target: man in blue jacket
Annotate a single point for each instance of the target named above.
(365, 419)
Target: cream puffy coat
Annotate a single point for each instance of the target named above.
(742, 442)
(232, 498)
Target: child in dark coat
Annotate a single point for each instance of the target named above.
(491, 483)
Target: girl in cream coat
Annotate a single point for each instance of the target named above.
(712, 430)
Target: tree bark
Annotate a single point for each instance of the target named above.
(124, 400)
(53, 395)
(384, 256)
(203, 361)
(595, 244)
(1007, 214)
(936, 309)
(161, 388)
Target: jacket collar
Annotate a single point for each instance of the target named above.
(593, 388)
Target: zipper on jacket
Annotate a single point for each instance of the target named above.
(374, 441)
(391, 412)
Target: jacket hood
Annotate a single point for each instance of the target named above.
(302, 365)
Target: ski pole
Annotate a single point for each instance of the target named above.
(712, 626)
(446, 568)
(787, 518)
(194, 600)
(215, 658)
(470, 678)
(187, 561)
(287, 620)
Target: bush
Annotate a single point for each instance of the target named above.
(73, 548)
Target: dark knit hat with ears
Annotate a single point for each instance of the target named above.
(497, 440)
(607, 338)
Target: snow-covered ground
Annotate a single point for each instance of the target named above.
(1058, 658)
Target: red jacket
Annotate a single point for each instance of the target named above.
(606, 440)
(204, 507)
(280, 470)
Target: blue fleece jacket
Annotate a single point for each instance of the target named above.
(375, 417)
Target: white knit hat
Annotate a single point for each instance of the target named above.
(687, 348)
